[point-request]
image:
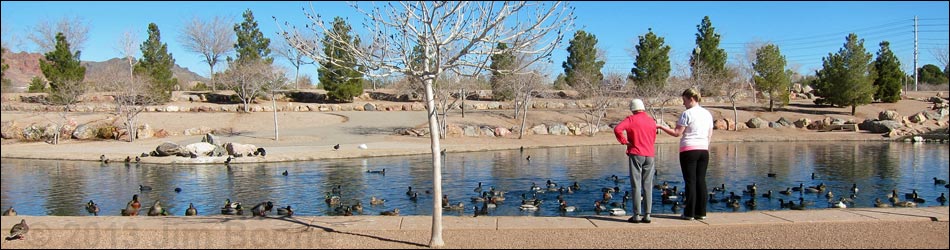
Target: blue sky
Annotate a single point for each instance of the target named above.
(804, 31)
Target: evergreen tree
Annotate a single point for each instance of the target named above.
(652, 66)
(251, 44)
(501, 66)
(931, 74)
(770, 75)
(582, 59)
(708, 55)
(846, 78)
(156, 65)
(339, 75)
(63, 71)
(889, 74)
(3, 69)
(37, 85)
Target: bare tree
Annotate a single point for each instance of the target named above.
(247, 80)
(745, 66)
(601, 94)
(131, 96)
(455, 36)
(526, 86)
(734, 83)
(68, 94)
(274, 81)
(75, 30)
(212, 39)
(296, 59)
(941, 54)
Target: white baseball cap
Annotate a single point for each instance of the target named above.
(636, 104)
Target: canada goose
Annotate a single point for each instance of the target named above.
(733, 203)
(712, 199)
(854, 188)
(878, 203)
(409, 192)
(191, 211)
(813, 176)
(91, 207)
(793, 206)
(394, 212)
(414, 197)
(285, 211)
(787, 191)
(720, 188)
(939, 181)
(9, 212)
(479, 188)
(751, 203)
(482, 211)
(799, 188)
(911, 195)
(782, 204)
(767, 194)
(750, 188)
(892, 197)
(942, 198)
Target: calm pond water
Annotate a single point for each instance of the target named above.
(39, 187)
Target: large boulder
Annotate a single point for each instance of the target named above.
(502, 132)
(144, 132)
(168, 149)
(235, 149)
(11, 131)
(888, 115)
(802, 122)
(33, 133)
(558, 129)
(918, 118)
(86, 131)
(540, 129)
(470, 131)
(721, 124)
(369, 107)
(783, 122)
(200, 148)
(756, 122)
(878, 126)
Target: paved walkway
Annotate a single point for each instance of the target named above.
(827, 228)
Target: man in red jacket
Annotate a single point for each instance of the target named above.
(640, 138)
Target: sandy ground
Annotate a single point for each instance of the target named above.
(311, 135)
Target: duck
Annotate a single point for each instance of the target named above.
(942, 198)
(138, 160)
(575, 186)
(733, 203)
(905, 204)
(750, 203)
(177, 190)
(830, 195)
(231, 208)
(599, 207)
(839, 204)
(918, 200)
(458, 207)
(382, 172)
(772, 175)
(409, 192)
(720, 188)
(336, 147)
(374, 201)
(331, 199)
(145, 188)
(9, 212)
(92, 208)
(394, 212)
(19, 230)
(414, 197)
(132, 207)
(787, 191)
(478, 189)
(617, 212)
(939, 181)
(358, 207)
(878, 203)
(767, 194)
(262, 208)
(812, 190)
(530, 206)
(793, 206)
(551, 184)
(712, 199)
(799, 188)
(191, 211)
(157, 210)
(854, 188)
(534, 187)
(565, 208)
(663, 186)
(750, 189)
(284, 173)
(285, 211)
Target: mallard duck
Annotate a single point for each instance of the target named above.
(262, 208)
(878, 203)
(599, 207)
(285, 211)
(9, 212)
(942, 198)
(617, 212)
(458, 207)
(939, 181)
(191, 211)
(231, 208)
(156, 209)
(19, 230)
(905, 204)
(394, 212)
(530, 206)
(787, 191)
(358, 207)
(575, 186)
(145, 188)
(839, 204)
(331, 199)
(565, 208)
(374, 201)
(132, 207)
(92, 208)
(534, 187)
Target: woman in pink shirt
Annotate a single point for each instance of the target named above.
(640, 139)
(695, 126)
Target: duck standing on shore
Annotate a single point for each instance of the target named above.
(19, 230)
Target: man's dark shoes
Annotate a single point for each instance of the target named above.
(645, 220)
(633, 219)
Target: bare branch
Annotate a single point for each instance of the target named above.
(75, 30)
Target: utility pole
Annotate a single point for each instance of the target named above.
(915, 53)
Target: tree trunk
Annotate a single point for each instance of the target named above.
(436, 239)
(853, 107)
(462, 106)
(213, 87)
(276, 130)
(132, 130)
(735, 117)
(771, 104)
(297, 76)
(524, 115)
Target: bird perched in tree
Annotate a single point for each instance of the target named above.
(336, 147)
(19, 230)
(9, 212)
(192, 211)
(92, 208)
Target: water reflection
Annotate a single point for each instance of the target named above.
(37, 187)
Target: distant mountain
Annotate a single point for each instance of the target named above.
(24, 66)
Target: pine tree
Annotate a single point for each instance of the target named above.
(652, 66)
(3, 69)
(889, 74)
(251, 44)
(156, 65)
(846, 78)
(771, 76)
(708, 58)
(582, 59)
(63, 71)
(501, 66)
(339, 75)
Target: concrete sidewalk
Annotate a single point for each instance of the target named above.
(827, 228)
